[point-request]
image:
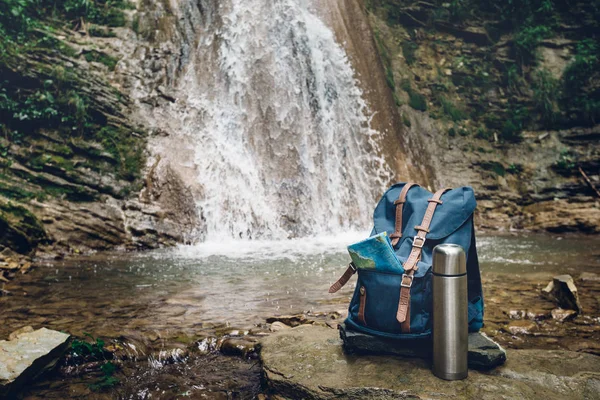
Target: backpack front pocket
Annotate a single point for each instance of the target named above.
(375, 302)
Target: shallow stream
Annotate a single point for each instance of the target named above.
(166, 299)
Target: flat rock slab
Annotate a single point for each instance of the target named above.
(308, 362)
(26, 355)
(484, 353)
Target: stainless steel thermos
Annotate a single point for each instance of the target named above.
(450, 313)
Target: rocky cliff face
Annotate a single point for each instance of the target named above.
(505, 102)
(74, 171)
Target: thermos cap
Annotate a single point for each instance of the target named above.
(449, 259)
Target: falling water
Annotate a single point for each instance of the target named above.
(277, 123)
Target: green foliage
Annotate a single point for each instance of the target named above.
(99, 31)
(94, 351)
(124, 147)
(83, 348)
(107, 380)
(515, 169)
(452, 110)
(484, 134)
(452, 132)
(581, 88)
(496, 167)
(102, 58)
(406, 120)
(526, 42)
(545, 96)
(408, 50)
(518, 117)
(415, 99)
(565, 163)
(387, 61)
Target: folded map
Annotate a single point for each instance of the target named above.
(376, 253)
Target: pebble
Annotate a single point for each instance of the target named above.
(562, 315)
(277, 326)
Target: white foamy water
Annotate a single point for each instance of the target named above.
(277, 124)
(265, 250)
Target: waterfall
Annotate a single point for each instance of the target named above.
(272, 112)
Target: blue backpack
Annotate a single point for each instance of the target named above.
(399, 305)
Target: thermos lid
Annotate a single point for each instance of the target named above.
(449, 259)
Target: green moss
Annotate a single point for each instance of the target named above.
(417, 101)
(515, 169)
(102, 58)
(581, 90)
(452, 110)
(495, 167)
(408, 50)
(125, 148)
(15, 192)
(484, 134)
(20, 230)
(135, 24)
(526, 42)
(100, 31)
(387, 61)
(545, 97)
(406, 120)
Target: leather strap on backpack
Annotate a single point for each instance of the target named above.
(351, 270)
(399, 207)
(410, 266)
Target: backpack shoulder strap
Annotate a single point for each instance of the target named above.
(410, 266)
(399, 207)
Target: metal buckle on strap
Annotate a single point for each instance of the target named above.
(351, 265)
(409, 284)
(415, 242)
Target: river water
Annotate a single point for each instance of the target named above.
(166, 299)
(239, 284)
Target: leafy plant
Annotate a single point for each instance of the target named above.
(526, 42)
(515, 169)
(581, 96)
(107, 380)
(455, 113)
(95, 351)
(545, 96)
(565, 162)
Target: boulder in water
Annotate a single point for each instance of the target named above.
(27, 355)
(563, 292)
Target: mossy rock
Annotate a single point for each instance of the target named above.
(20, 230)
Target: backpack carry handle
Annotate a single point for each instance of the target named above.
(399, 206)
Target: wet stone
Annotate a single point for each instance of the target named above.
(563, 292)
(589, 277)
(290, 320)
(484, 353)
(562, 315)
(277, 326)
(240, 347)
(522, 327)
(27, 355)
(320, 369)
